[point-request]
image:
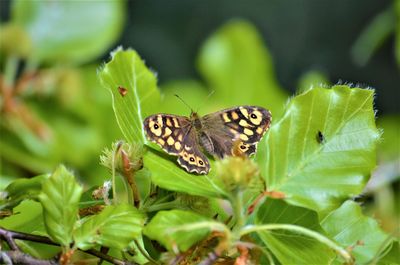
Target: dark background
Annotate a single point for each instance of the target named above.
(301, 35)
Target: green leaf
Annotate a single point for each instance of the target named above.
(69, 31)
(236, 64)
(289, 247)
(393, 256)
(127, 70)
(320, 171)
(60, 197)
(22, 189)
(164, 227)
(115, 227)
(350, 228)
(166, 173)
(28, 218)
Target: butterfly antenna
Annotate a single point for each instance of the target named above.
(208, 96)
(184, 102)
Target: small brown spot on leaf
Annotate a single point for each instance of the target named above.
(122, 91)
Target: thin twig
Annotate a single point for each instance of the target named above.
(103, 250)
(4, 233)
(8, 236)
(211, 259)
(18, 257)
(129, 175)
(108, 258)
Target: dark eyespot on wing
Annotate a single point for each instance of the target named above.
(194, 161)
(241, 148)
(247, 124)
(251, 124)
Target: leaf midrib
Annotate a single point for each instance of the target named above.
(137, 100)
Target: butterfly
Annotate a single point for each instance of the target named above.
(229, 132)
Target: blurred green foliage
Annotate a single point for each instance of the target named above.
(54, 109)
(68, 32)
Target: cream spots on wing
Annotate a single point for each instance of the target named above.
(159, 120)
(248, 131)
(256, 117)
(167, 132)
(170, 141)
(234, 115)
(178, 146)
(244, 123)
(244, 137)
(168, 122)
(244, 112)
(225, 117)
(176, 123)
(155, 128)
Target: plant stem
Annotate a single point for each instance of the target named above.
(255, 228)
(144, 252)
(11, 235)
(10, 70)
(239, 210)
(18, 257)
(8, 236)
(113, 172)
(268, 255)
(129, 175)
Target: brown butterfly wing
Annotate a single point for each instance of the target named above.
(167, 131)
(191, 157)
(234, 131)
(176, 136)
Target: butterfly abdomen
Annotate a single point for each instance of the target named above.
(206, 143)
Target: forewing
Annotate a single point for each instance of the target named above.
(168, 131)
(175, 135)
(237, 130)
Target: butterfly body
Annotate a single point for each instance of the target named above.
(234, 131)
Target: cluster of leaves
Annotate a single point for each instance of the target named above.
(292, 204)
(61, 200)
